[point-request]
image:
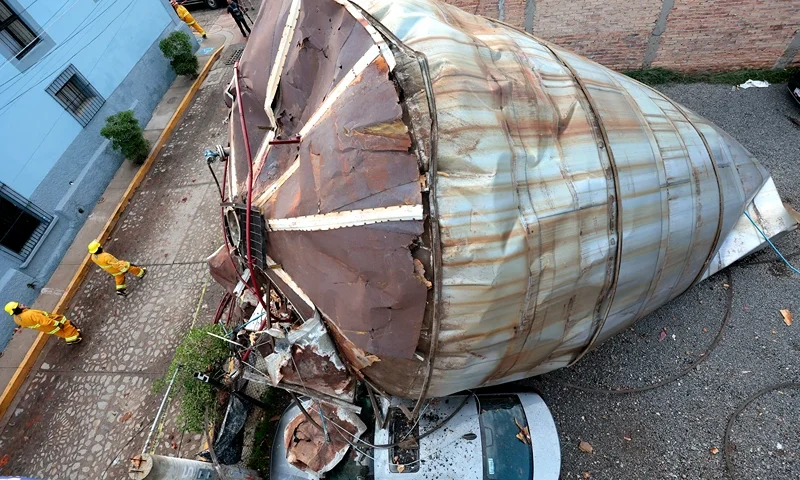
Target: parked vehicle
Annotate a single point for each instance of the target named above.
(794, 86)
(490, 436)
(207, 3)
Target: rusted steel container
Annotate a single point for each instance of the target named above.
(470, 205)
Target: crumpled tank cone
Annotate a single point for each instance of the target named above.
(470, 205)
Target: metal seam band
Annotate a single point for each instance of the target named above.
(618, 260)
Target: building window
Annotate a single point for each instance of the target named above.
(76, 95)
(14, 33)
(23, 224)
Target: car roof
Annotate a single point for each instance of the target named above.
(446, 452)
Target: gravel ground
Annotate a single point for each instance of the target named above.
(673, 431)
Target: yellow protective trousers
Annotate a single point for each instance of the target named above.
(116, 268)
(119, 278)
(49, 323)
(193, 23)
(187, 17)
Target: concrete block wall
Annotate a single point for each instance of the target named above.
(685, 35)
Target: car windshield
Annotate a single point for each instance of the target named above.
(506, 444)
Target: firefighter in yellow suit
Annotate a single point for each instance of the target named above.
(45, 322)
(116, 268)
(187, 17)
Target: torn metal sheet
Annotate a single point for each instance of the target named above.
(548, 202)
(306, 447)
(306, 357)
(222, 269)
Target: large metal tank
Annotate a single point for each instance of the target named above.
(468, 204)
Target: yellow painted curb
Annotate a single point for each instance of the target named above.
(33, 352)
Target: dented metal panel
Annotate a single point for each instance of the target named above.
(469, 205)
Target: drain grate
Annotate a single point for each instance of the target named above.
(235, 55)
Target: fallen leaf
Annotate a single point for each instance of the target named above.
(662, 335)
(627, 438)
(125, 417)
(705, 330)
(587, 475)
(774, 332)
(585, 447)
(275, 418)
(787, 317)
(725, 285)
(714, 450)
(4, 460)
(524, 434)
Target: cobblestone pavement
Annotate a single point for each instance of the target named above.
(86, 409)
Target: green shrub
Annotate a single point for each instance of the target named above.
(177, 47)
(127, 136)
(198, 352)
(277, 400)
(658, 76)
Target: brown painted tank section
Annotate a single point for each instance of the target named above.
(369, 289)
(355, 158)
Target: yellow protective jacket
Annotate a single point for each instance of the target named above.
(184, 14)
(110, 264)
(41, 321)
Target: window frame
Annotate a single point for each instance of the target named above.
(24, 48)
(85, 111)
(29, 208)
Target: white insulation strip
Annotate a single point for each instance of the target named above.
(281, 273)
(262, 199)
(362, 64)
(283, 51)
(376, 36)
(351, 218)
(340, 88)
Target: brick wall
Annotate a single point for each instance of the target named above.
(686, 35)
(727, 34)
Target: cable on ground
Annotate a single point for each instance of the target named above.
(771, 244)
(726, 445)
(683, 372)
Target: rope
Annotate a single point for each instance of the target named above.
(772, 244)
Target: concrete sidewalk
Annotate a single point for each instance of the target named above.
(84, 410)
(51, 293)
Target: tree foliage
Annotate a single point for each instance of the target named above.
(177, 48)
(127, 136)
